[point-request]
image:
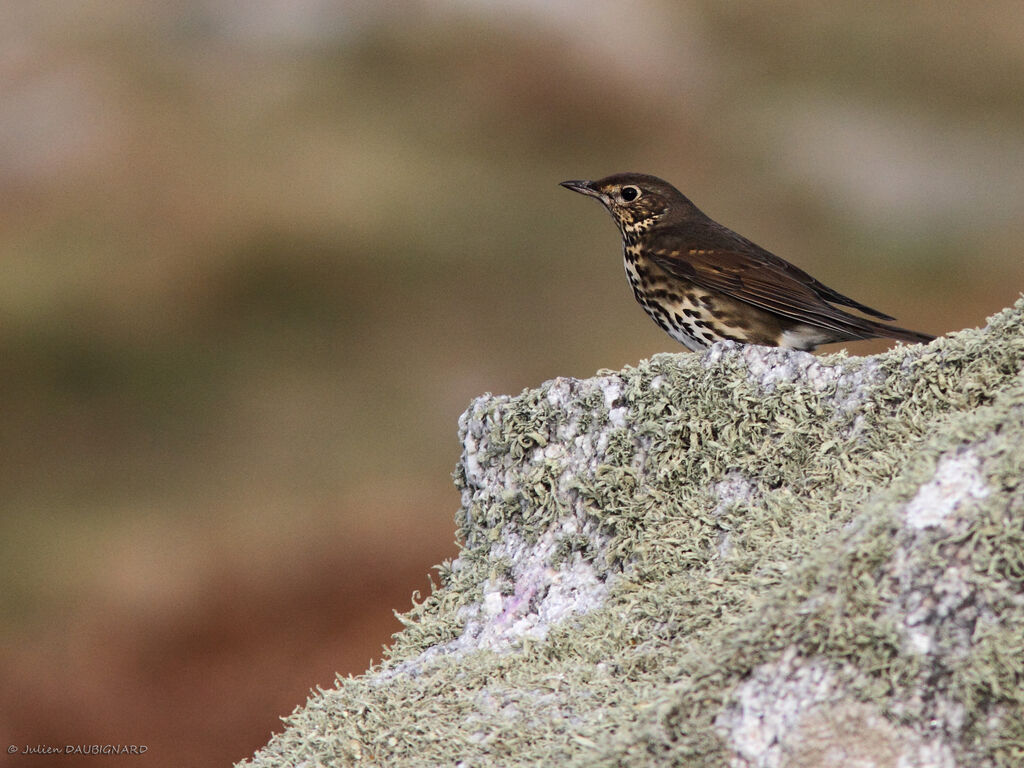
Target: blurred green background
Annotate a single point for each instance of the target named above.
(258, 257)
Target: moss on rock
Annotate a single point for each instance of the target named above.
(746, 557)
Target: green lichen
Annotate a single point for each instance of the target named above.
(708, 580)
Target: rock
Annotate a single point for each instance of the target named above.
(746, 557)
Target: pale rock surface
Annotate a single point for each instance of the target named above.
(749, 557)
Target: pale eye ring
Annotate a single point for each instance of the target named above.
(630, 193)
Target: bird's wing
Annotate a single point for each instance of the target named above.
(837, 298)
(761, 279)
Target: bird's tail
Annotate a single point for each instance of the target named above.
(881, 330)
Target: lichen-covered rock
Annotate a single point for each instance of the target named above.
(747, 557)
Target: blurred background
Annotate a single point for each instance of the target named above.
(258, 257)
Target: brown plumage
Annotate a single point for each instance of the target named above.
(702, 282)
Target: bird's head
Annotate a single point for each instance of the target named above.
(636, 201)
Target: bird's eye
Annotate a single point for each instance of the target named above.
(629, 194)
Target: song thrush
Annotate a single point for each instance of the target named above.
(702, 282)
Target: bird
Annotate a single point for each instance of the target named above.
(702, 283)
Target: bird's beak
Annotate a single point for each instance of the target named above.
(583, 187)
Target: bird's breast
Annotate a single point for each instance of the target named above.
(690, 314)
